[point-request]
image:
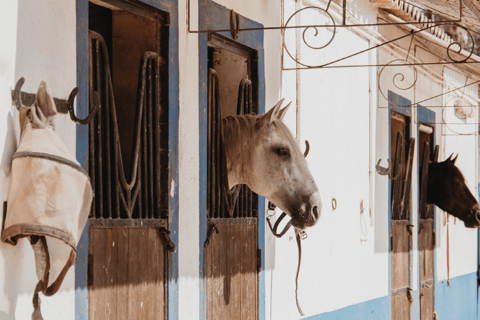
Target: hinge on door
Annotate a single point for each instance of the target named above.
(90, 270)
(4, 216)
(213, 228)
(259, 260)
(164, 235)
(409, 295)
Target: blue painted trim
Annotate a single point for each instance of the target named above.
(170, 6)
(81, 265)
(395, 99)
(376, 309)
(214, 16)
(459, 301)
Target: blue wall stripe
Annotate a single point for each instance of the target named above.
(459, 302)
(376, 309)
(170, 6)
(215, 16)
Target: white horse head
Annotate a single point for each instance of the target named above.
(262, 153)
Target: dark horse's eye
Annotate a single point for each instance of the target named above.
(282, 152)
(456, 184)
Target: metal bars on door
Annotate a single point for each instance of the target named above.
(139, 197)
(221, 202)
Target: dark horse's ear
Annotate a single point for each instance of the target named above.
(435, 154)
(455, 159)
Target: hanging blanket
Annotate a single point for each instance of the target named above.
(49, 196)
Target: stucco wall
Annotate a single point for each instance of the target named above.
(38, 43)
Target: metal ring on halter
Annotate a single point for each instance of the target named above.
(334, 204)
(271, 208)
(275, 227)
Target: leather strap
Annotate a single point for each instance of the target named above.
(298, 235)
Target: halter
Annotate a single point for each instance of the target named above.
(299, 234)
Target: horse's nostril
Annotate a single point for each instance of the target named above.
(315, 212)
(477, 215)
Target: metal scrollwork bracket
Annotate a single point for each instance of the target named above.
(386, 171)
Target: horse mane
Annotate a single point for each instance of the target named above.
(235, 127)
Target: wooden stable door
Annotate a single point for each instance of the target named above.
(402, 148)
(127, 274)
(128, 162)
(231, 248)
(426, 231)
(231, 263)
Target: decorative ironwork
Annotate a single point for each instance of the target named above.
(221, 202)
(115, 196)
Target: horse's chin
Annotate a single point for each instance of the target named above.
(299, 221)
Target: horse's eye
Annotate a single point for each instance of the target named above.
(282, 152)
(456, 184)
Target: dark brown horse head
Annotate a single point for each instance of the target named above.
(448, 191)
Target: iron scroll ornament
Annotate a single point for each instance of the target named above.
(17, 101)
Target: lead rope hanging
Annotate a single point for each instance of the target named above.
(299, 235)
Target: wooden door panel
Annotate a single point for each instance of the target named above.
(232, 279)
(400, 307)
(427, 301)
(128, 274)
(426, 248)
(400, 254)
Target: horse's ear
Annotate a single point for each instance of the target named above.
(435, 154)
(449, 158)
(454, 159)
(45, 109)
(281, 113)
(272, 114)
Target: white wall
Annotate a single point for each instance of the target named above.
(344, 261)
(38, 43)
(463, 241)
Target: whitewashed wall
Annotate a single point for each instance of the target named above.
(345, 261)
(266, 12)
(37, 42)
(463, 241)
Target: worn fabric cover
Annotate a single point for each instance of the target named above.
(49, 196)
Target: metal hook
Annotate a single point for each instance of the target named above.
(17, 100)
(71, 111)
(307, 149)
(234, 17)
(386, 171)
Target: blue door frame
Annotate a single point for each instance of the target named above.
(81, 266)
(214, 16)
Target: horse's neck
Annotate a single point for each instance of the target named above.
(235, 133)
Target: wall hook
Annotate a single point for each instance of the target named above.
(63, 106)
(17, 100)
(307, 149)
(234, 24)
(386, 171)
(71, 110)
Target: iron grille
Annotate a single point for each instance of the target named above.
(240, 202)
(140, 197)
